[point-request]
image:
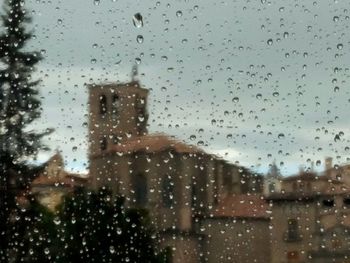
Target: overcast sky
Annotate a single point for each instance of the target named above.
(253, 81)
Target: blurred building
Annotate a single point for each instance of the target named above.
(310, 218)
(52, 182)
(272, 181)
(183, 187)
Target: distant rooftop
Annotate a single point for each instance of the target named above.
(246, 206)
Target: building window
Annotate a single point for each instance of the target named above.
(328, 203)
(346, 202)
(103, 143)
(115, 105)
(103, 104)
(293, 231)
(194, 195)
(140, 103)
(140, 186)
(168, 191)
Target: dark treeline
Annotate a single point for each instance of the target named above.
(88, 226)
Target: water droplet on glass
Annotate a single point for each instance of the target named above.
(111, 249)
(179, 13)
(193, 137)
(139, 39)
(235, 99)
(281, 136)
(270, 42)
(57, 220)
(137, 20)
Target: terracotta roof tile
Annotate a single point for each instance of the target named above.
(68, 180)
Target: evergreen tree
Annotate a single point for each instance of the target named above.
(94, 228)
(19, 107)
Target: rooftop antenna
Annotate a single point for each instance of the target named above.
(134, 72)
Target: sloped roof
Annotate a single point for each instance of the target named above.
(68, 180)
(63, 179)
(331, 188)
(304, 176)
(152, 143)
(247, 206)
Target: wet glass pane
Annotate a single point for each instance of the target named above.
(174, 131)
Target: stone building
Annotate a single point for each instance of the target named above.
(181, 185)
(310, 219)
(238, 230)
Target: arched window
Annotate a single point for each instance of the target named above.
(141, 191)
(103, 104)
(168, 191)
(115, 105)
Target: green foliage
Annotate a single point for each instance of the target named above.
(96, 227)
(19, 107)
(34, 234)
(19, 101)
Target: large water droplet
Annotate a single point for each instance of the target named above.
(235, 99)
(137, 20)
(139, 39)
(178, 13)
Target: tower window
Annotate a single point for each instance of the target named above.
(140, 186)
(328, 202)
(194, 193)
(347, 201)
(168, 191)
(115, 105)
(103, 104)
(103, 144)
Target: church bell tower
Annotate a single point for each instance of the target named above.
(117, 111)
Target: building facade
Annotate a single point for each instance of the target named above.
(180, 184)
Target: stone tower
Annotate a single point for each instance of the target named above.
(116, 113)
